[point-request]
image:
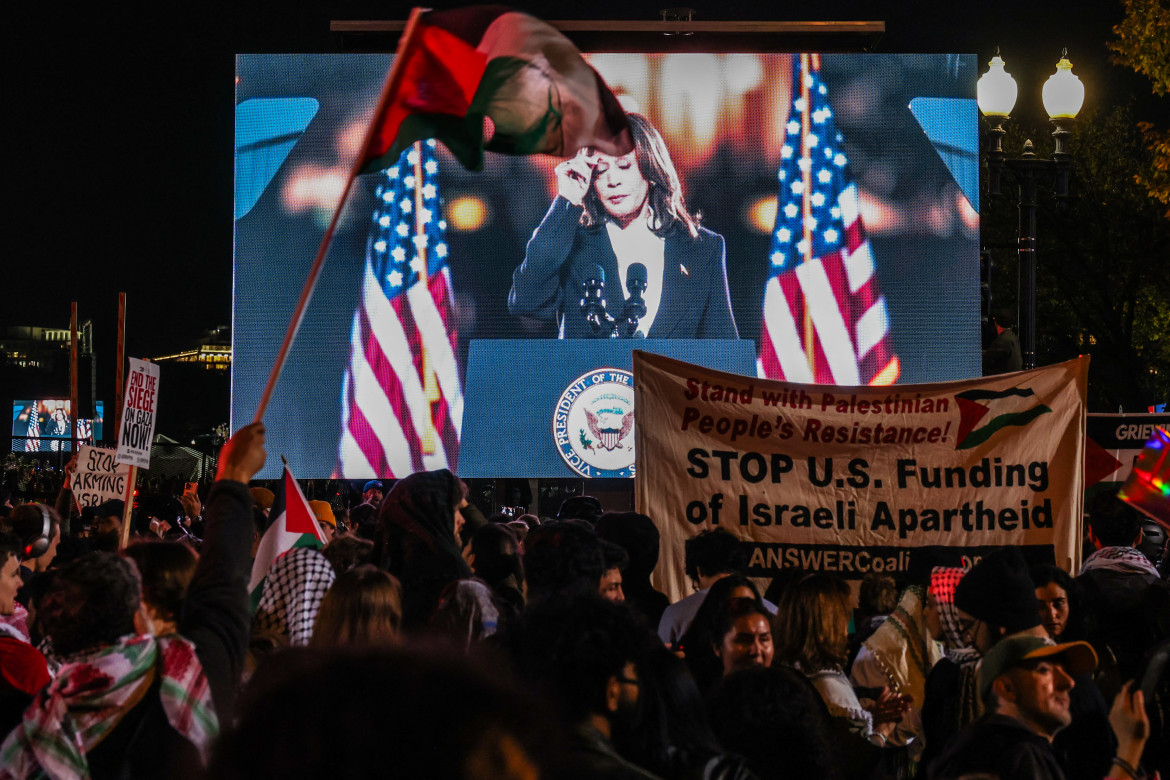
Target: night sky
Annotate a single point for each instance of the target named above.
(122, 132)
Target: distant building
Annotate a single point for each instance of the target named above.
(212, 351)
(34, 347)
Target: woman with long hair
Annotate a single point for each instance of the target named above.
(610, 214)
(702, 640)
(1061, 611)
(1085, 744)
(813, 637)
(166, 569)
(362, 609)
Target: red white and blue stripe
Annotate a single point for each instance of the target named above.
(825, 321)
(402, 404)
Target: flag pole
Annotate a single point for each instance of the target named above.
(128, 507)
(298, 316)
(120, 375)
(73, 395)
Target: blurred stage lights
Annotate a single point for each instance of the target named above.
(761, 214)
(467, 213)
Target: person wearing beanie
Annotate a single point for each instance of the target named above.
(997, 599)
(1025, 683)
(324, 514)
(993, 600)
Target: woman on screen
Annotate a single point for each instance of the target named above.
(611, 215)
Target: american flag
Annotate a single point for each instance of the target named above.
(825, 320)
(402, 404)
(33, 442)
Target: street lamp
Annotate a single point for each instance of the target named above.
(1063, 95)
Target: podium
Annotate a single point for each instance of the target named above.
(514, 389)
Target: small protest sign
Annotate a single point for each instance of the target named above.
(99, 477)
(139, 412)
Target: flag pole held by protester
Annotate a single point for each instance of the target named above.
(476, 78)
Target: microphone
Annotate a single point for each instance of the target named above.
(635, 305)
(593, 301)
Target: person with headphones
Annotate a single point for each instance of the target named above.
(38, 528)
(23, 670)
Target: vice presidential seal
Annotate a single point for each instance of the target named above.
(593, 425)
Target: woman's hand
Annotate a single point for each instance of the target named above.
(889, 707)
(575, 177)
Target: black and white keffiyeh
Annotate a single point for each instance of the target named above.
(1122, 559)
(293, 589)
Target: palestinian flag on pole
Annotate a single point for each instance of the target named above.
(984, 412)
(488, 77)
(291, 524)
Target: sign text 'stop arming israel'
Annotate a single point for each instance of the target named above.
(859, 479)
(139, 412)
(98, 477)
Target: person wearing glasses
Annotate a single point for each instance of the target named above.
(994, 600)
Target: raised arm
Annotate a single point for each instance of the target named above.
(537, 282)
(217, 615)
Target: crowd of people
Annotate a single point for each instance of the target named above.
(425, 640)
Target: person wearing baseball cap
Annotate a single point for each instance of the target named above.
(1024, 682)
(994, 600)
(372, 493)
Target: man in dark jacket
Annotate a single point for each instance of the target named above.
(1118, 586)
(1025, 683)
(143, 706)
(994, 600)
(585, 652)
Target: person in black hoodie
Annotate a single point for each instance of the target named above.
(638, 536)
(418, 540)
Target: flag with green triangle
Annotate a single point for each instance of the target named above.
(291, 524)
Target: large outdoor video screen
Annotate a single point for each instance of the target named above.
(819, 211)
(43, 425)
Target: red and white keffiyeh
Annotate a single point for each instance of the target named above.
(74, 712)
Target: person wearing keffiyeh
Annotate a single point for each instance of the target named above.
(900, 654)
(128, 704)
(951, 693)
(293, 589)
(92, 696)
(1121, 592)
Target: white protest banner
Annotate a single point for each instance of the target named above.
(99, 477)
(136, 429)
(858, 479)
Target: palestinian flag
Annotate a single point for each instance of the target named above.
(488, 77)
(291, 524)
(984, 412)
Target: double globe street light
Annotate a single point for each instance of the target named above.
(1063, 95)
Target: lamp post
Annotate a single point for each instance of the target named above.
(1063, 95)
